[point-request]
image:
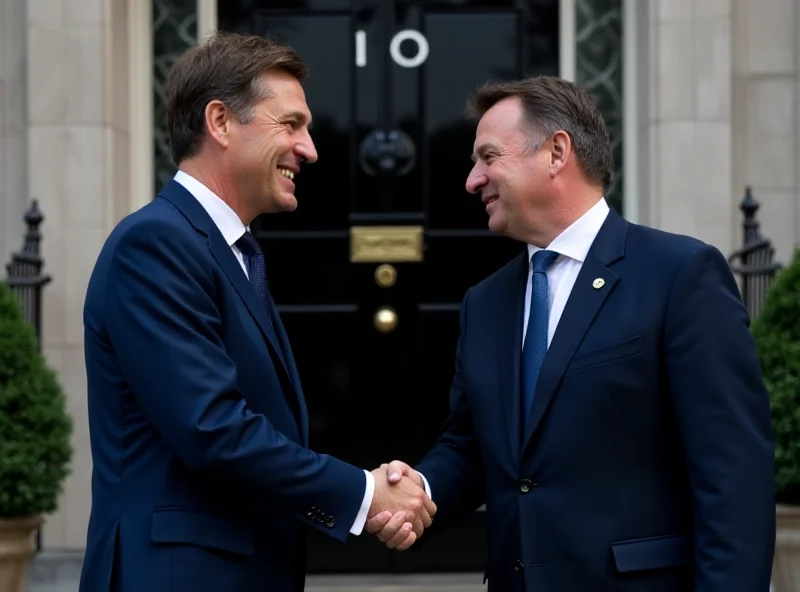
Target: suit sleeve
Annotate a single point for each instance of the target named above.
(164, 325)
(453, 470)
(723, 414)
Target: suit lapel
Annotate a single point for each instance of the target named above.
(223, 255)
(509, 339)
(225, 258)
(583, 305)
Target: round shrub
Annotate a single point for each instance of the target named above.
(35, 428)
(776, 330)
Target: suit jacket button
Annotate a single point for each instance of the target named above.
(526, 485)
(330, 522)
(518, 565)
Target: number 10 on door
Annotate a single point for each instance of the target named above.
(414, 61)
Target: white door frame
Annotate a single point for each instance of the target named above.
(140, 103)
(566, 39)
(206, 18)
(630, 112)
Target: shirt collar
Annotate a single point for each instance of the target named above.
(226, 220)
(577, 239)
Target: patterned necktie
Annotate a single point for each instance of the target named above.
(535, 346)
(254, 257)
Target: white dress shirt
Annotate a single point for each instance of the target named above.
(232, 229)
(226, 220)
(572, 245)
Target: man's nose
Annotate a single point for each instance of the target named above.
(476, 180)
(306, 149)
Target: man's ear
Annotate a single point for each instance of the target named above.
(561, 152)
(218, 122)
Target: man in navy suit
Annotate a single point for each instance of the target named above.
(607, 405)
(203, 478)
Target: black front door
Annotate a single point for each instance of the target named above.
(369, 272)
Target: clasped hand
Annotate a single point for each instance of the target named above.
(401, 510)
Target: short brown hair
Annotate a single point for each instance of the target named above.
(227, 67)
(552, 104)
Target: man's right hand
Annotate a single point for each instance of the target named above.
(402, 505)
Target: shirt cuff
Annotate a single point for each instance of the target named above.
(425, 483)
(361, 518)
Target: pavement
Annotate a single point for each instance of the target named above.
(399, 583)
(60, 572)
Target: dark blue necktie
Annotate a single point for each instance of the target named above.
(535, 346)
(256, 270)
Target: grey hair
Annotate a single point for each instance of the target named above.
(552, 104)
(244, 105)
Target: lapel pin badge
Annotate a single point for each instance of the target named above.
(598, 283)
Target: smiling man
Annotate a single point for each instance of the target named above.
(203, 480)
(607, 404)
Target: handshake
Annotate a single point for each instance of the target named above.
(401, 509)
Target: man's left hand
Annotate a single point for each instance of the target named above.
(393, 529)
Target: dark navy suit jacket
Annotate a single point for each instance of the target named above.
(203, 480)
(649, 463)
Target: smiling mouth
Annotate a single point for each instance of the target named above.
(286, 173)
(490, 199)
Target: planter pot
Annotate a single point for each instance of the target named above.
(17, 546)
(786, 567)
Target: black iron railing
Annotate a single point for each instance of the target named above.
(24, 273)
(753, 263)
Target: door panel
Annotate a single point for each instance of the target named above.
(394, 151)
(456, 49)
(336, 413)
(327, 186)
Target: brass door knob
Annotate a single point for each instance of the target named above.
(385, 275)
(385, 319)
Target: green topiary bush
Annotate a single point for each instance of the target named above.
(776, 331)
(35, 428)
